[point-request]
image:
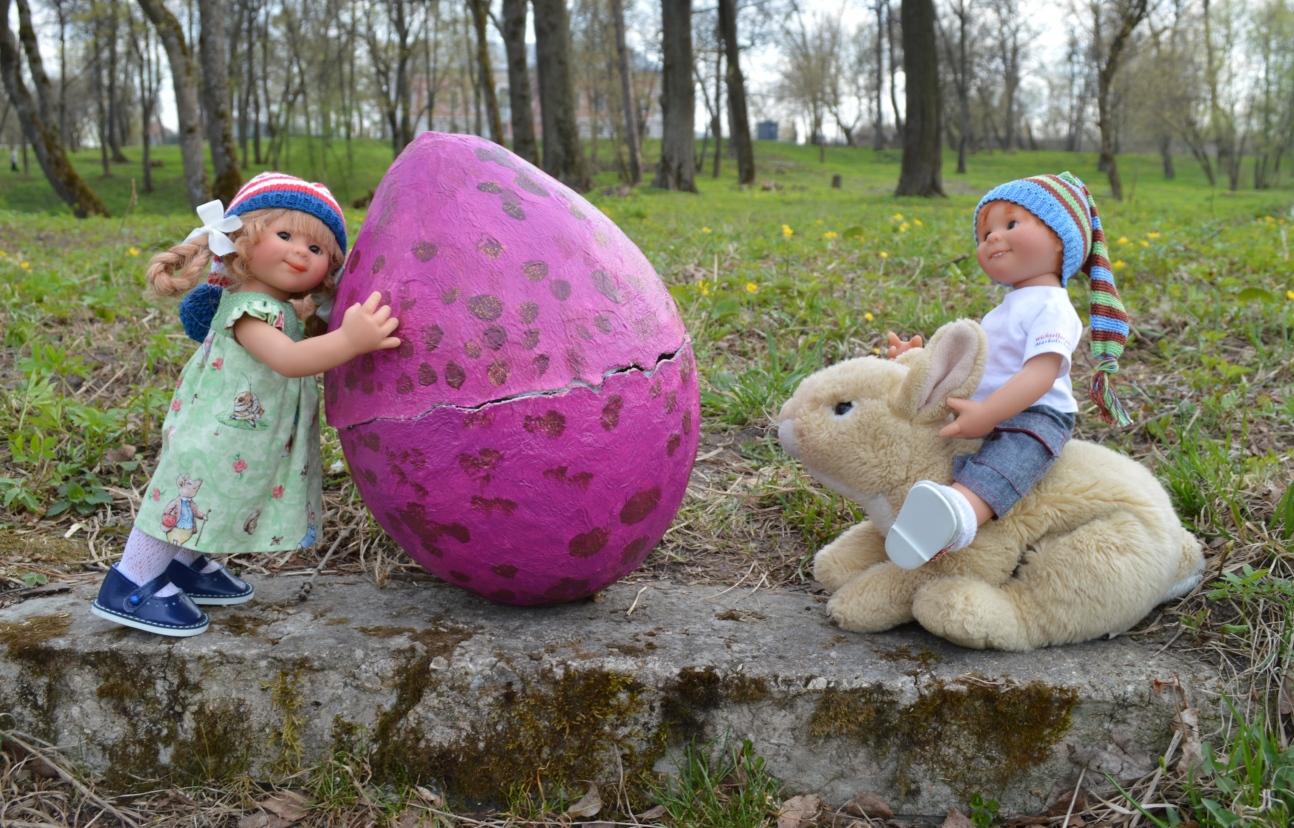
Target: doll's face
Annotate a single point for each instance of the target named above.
(285, 261)
(1015, 248)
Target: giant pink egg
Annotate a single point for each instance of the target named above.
(532, 437)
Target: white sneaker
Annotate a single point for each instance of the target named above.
(927, 525)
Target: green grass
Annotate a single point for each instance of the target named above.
(773, 284)
(720, 787)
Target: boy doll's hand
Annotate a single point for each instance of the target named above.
(896, 346)
(974, 419)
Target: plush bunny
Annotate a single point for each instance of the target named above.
(1090, 551)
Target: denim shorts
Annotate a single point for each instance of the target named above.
(1014, 456)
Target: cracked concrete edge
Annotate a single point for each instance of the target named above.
(436, 684)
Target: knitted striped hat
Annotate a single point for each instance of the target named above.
(265, 191)
(275, 190)
(1063, 203)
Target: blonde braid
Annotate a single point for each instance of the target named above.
(191, 259)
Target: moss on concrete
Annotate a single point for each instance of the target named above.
(973, 736)
(696, 691)
(285, 697)
(40, 684)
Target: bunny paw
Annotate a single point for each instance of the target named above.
(872, 601)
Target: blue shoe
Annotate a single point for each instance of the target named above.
(122, 602)
(218, 588)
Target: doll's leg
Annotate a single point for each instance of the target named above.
(145, 558)
(188, 556)
(857, 548)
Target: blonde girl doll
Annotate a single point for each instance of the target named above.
(239, 468)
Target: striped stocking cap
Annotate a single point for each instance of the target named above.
(1063, 203)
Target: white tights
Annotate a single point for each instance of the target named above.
(147, 557)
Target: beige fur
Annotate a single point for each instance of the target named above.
(1089, 552)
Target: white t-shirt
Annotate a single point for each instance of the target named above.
(1031, 321)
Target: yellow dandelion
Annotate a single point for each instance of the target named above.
(884, 255)
(1145, 243)
(1119, 264)
(918, 222)
(787, 232)
(132, 250)
(705, 289)
(1289, 294)
(1153, 234)
(817, 221)
(830, 234)
(1123, 240)
(869, 317)
(751, 287)
(25, 265)
(903, 228)
(897, 217)
(706, 230)
(3, 254)
(876, 351)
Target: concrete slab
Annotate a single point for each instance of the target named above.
(433, 684)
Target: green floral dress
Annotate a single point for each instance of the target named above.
(239, 469)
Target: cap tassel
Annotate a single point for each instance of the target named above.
(1102, 394)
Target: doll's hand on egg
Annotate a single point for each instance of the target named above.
(896, 347)
(973, 420)
(368, 326)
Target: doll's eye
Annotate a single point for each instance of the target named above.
(285, 235)
(1010, 225)
(316, 249)
(843, 408)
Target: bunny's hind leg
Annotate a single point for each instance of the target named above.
(1101, 577)
(857, 549)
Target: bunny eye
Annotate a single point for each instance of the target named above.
(843, 408)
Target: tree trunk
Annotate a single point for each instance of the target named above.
(627, 95)
(716, 125)
(480, 11)
(562, 156)
(894, 95)
(514, 45)
(738, 118)
(1166, 155)
(678, 99)
(186, 97)
(1129, 17)
(878, 122)
(27, 36)
(49, 150)
(213, 48)
(922, 149)
(115, 137)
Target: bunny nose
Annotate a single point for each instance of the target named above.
(786, 435)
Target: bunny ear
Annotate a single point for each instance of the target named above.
(950, 366)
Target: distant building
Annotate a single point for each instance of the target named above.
(766, 131)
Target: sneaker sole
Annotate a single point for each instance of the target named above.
(923, 510)
(218, 601)
(173, 632)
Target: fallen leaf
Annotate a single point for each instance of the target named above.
(287, 805)
(121, 453)
(588, 806)
(868, 805)
(432, 798)
(799, 811)
(956, 819)
(651, 814)
(1187, 723)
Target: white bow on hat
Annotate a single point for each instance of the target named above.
(216, 224)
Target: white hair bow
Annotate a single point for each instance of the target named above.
(216, 224)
